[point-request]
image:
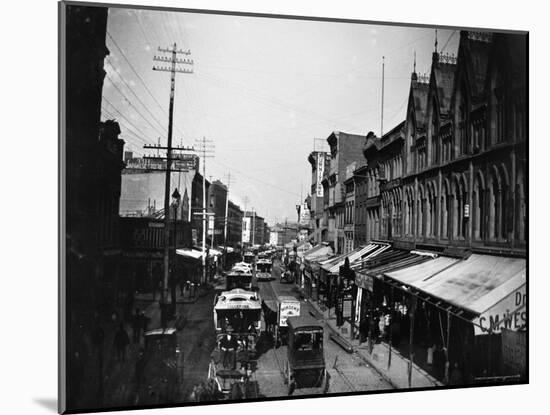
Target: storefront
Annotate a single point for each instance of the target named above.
(311, 267)
(330, 270)
(464, 318)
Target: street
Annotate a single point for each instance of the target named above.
(348, 372)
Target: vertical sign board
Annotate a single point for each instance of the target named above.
(320, 173)
(513, 352)
(509, 313)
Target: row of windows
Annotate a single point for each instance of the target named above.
(497, 211)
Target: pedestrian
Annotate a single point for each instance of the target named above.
(456, 375)
(229, 345)
(121, 343)
(430, 355)
(136, 326)
(382, 327)
(144, 320)
(140, 367)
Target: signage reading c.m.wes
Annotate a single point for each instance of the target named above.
(510, 313)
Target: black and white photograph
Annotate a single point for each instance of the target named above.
(259, 207)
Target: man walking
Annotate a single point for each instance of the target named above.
(137, 324)
(121, 343)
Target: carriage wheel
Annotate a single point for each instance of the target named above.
(277, 337)
(325, 382)
(286, 376)
(291, 387)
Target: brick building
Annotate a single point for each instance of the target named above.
(345, 148)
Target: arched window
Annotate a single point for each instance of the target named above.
(494, 205)
(421, 209)
(411, 212)
(478, 209)
(520, 207)
(428, 225)
(445, 217)
(435, 134)
(406, 218)
(463, 123)
(433, 212)
(504, 206)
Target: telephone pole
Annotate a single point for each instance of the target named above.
(225, 220)
(172, 59)
(206, 147)
(382, 109)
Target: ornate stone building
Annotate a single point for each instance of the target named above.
(453, 175)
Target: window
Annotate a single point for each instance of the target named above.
(478, 209)
(445, 213)
(521, 224)
(435, 134)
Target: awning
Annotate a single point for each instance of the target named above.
(488, 286)
(318, 252)
(393, 259)
(358, 254)
(414, 275)
(190, 253)
(227, 249)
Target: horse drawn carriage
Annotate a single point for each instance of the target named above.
(160, 368)
(264, 269)
(276, 312)
(305, 365)
(237, 320)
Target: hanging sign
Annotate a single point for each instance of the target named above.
(320, 173)
(509, 313)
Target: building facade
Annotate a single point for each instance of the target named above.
(92, 168)
(345, 148)
(234, 225)
(196, 207)
(453, 175)
(217, 196)
(320, 162)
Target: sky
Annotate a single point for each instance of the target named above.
(265, 91)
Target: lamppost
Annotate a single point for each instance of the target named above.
(176, 198)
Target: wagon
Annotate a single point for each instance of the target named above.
(276, 313)
(305, 365)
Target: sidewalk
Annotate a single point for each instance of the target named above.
(152, 311)
(397, 373)
(186, 298)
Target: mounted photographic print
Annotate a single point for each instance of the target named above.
(260, 207)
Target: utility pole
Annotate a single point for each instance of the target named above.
(225, 219)
(253, 225)
(206, 147)
(382, 109)
(172, 61)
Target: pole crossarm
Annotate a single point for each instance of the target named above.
(172, 70)
(177, 148)
(170, 60)
(174, 50)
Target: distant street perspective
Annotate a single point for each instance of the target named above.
(262, 208)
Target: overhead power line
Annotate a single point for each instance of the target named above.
(139, 77)
(137, 97)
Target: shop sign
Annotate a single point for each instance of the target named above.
(365, 282)
(320, 173)
(509, 313)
